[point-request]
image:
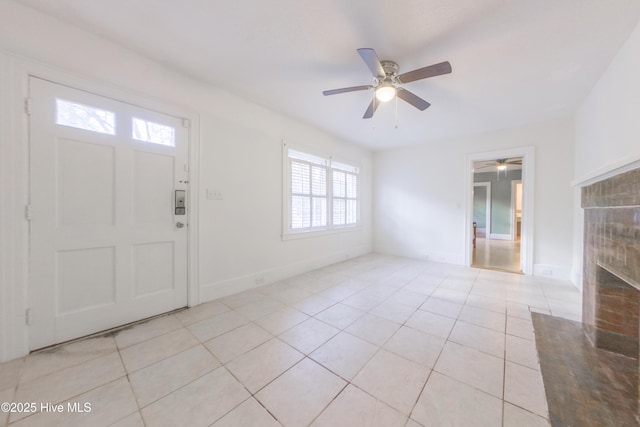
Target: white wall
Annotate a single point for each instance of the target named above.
(240, 155)
(607, 128)
(419, 206)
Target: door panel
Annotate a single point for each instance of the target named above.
(104, 246)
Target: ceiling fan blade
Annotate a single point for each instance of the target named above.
(413, 99)
(371, 109)
(345, 89)
(425, 72)
(371, 59)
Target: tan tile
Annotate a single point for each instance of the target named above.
(292, 295)
(258, 309)
(522, 352)
(520, 327)
(392, 379)
(339, 315)
(281, 320)
(452, 295)
(10, 373)
(354, 407)
(201, 312)
(313, 304)
(338, 293)
(228, 346)
(481, 317)
(146, 330)
(6, 396)
(472, 367)
(309, 335)
(430, 323)
(300, 394)
(416, 346)
(133, 420)
(260, 366)
(442, 307)
(242, 298)
(217, 325)
(394, 311)
(515, 416)
(64, 384)
(483, 339)
(524, 387)
(61, 357)
(249, 414)
(151, 351)
(106, 404)
(158, 380)
(374, 329)
(191, 405)
(485, 302)
(362, 301)
(447, 402)
(344, 354)
(408, 298)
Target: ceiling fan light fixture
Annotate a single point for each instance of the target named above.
(385, 92)
(502, 166)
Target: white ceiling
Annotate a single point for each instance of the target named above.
(513, 62)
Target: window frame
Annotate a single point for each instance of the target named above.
(313, 158)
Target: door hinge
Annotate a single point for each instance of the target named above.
(27, 106)
(186, 123)
(27, 317)
(28, 212)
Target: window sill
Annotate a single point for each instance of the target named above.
(319, 233)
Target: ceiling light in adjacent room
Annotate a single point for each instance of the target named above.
(502, 167)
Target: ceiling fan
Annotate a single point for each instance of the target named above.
(387, 81)
(500, 164)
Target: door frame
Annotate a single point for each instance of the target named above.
(528, 167)
(486, 184)
(514, 219)
(14, 142)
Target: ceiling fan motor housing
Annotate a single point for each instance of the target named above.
(391, 72)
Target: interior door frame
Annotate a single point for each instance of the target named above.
(528, 167)
(514, 231)
(486, 184)
(189, 119)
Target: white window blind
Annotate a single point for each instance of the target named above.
(308, 195)
(322, 194)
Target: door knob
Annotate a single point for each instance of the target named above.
(179, 224)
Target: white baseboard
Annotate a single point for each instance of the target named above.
(223, 288)
(496, 236)
(560, 272)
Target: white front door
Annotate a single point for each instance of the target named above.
(108, 236)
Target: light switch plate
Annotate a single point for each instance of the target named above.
(214, 194)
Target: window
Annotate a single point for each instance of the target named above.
(156, 133)
(323, 194)
(85, 117)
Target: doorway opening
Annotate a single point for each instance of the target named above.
(499, 212)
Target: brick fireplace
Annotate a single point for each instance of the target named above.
(611, 290)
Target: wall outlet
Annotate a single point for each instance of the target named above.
(259, 281)
(213, 194)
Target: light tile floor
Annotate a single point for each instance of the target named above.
(497, 254)
(374, 341)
